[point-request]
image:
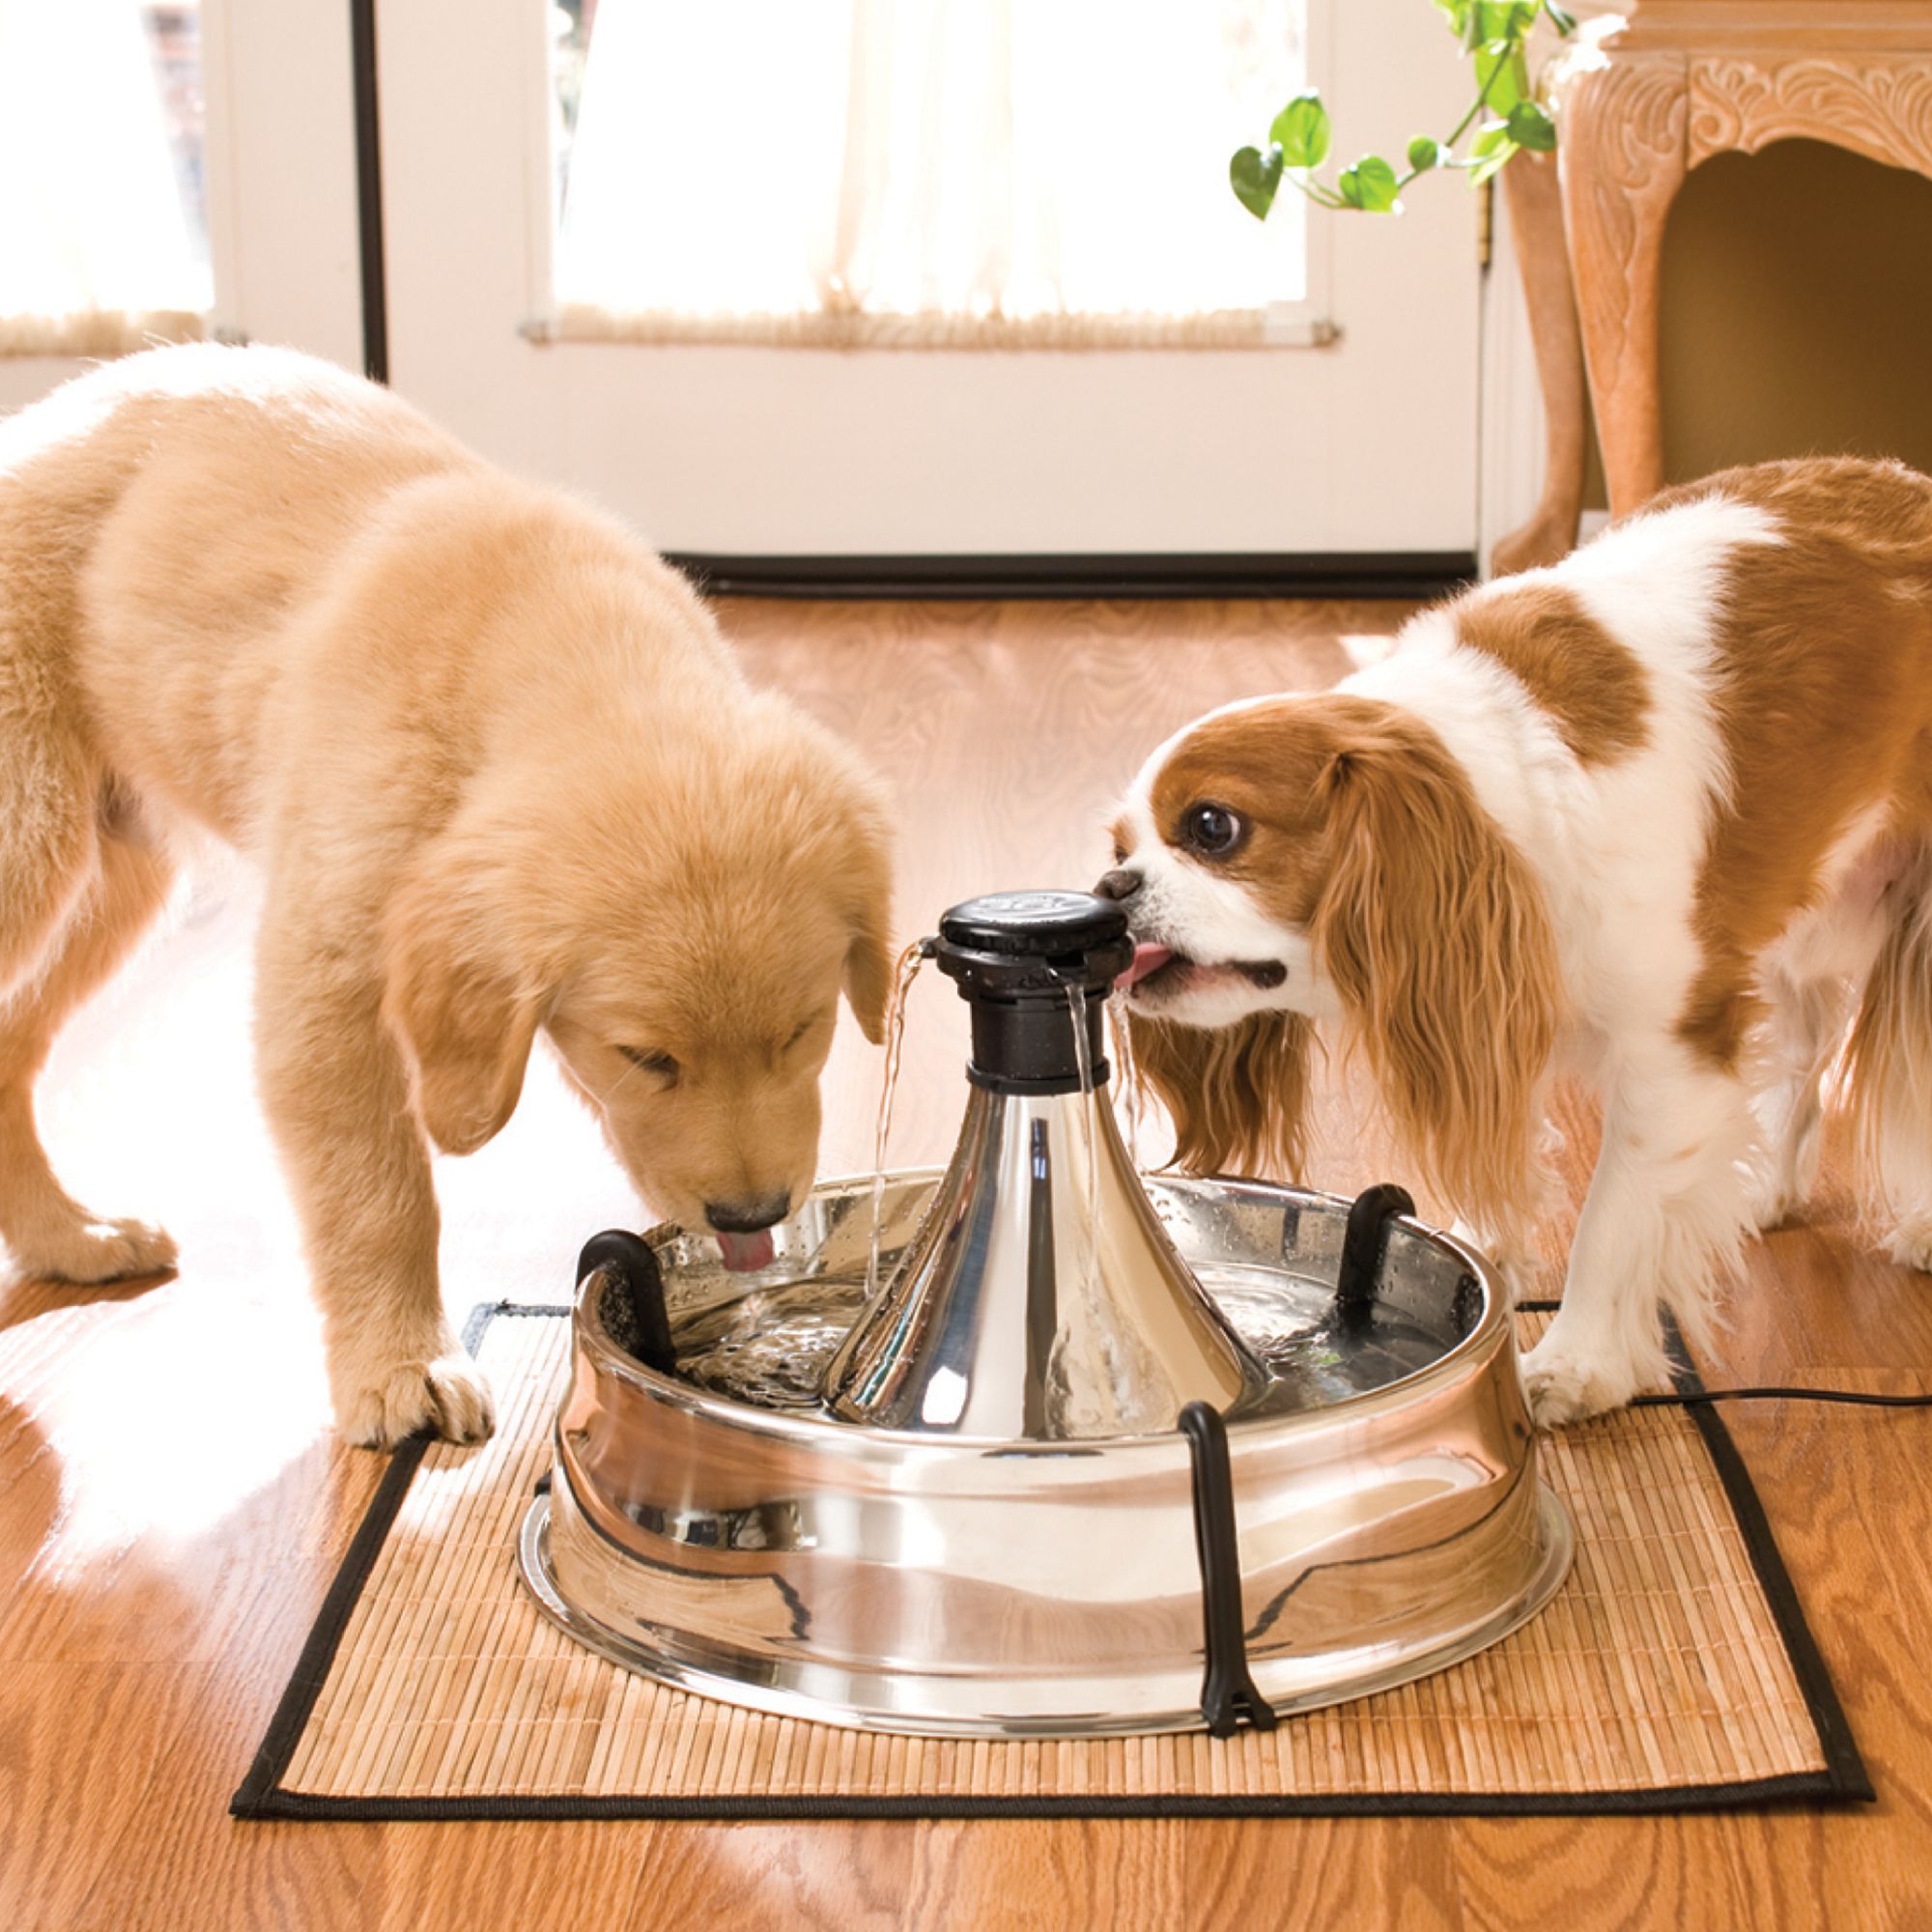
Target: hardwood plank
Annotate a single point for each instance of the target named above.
(1204, 1875)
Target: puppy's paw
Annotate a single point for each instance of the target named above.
(1567, 1387)
(91, 1252)
(377, 1408)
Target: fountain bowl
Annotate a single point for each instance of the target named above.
(722, 1531)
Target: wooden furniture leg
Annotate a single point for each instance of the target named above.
(1542, 259)
(1622, 157)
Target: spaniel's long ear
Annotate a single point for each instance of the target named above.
(1435, 933)
(1238, 1094)
(464, 1022)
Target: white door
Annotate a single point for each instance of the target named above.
(1358, 433)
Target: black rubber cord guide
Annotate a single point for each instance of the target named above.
(633, 1307)
(1362, 1245)
(1228, 1693)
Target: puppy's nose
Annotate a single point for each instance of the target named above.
(746, 1217)
(1121, 883)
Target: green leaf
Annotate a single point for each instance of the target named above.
(1531, 127)
(1301, 131)
(1425, 152)
(1504, 20)
(1254, 177)
(1502, 75)
(1371, 186)
(1494, 162)
(1493, 135)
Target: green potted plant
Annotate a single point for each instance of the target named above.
(1504, 119)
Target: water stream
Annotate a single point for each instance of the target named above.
(903, 975)
(1091, 1103)
(1129, 1098)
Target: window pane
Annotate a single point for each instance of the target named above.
(976, 158)
(174, 46)
(100, 146)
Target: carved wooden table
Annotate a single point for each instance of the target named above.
(1689, 80)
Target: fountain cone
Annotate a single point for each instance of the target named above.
(1041, 1300)
(1099, 1455)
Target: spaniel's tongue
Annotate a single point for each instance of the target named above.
(745, 1252)
(1147, 959)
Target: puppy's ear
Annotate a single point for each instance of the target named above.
(1238, 1094)
(1435, 935)
(465, 1024)
(871, 964)
(869, 975)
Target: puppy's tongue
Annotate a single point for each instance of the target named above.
(1147, 959)
(745, 1252)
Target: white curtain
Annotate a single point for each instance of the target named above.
(95, 249)
(926, 172)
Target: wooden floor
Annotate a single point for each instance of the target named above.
(172, 1506)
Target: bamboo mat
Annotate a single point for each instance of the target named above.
(1673, 1670)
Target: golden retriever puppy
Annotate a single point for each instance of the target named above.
(503, 777)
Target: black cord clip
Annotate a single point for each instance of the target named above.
(1228, 1692)
(633, 1307)
(1362, 1245)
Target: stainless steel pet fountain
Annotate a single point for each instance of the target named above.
(1099, 1455)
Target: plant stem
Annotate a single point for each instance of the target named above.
(1481, 100)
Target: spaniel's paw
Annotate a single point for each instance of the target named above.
(1568, 1387)
(1771, 1200)
(378, 1408)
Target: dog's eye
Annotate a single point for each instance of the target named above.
(652, 1061)
(1211, 830)
(803, 1027)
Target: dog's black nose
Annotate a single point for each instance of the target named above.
(746, 1217)
(1121, 883)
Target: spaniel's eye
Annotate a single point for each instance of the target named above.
(799, 1032)
(1211, 830)
(1119, 853)
(652, 1061)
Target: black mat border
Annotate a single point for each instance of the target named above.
(1843, 1780)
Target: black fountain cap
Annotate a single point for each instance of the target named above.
(1017, 957)
(1044, 923)
(1017, 943)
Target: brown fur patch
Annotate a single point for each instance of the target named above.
(1238, 1095)
(1824, 704)
(1433, 929)
(1267, 763)
(1588, 683)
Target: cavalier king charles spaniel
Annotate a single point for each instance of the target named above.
(1660, 817)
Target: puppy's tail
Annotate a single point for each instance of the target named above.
(1885, 1075)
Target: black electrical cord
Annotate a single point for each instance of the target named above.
(1684, 1401)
